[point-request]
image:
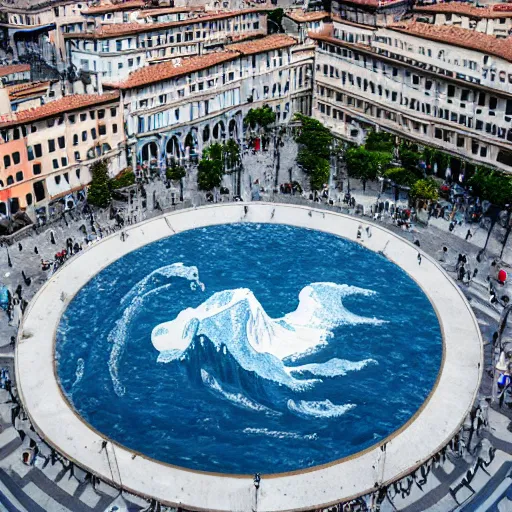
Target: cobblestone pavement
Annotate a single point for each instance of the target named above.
(474, 472)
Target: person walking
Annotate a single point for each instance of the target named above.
(419, 259)
(469, 235)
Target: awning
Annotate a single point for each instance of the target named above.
(38, 28)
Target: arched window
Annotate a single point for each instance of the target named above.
(10, 180)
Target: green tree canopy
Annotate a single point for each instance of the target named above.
(427, 189)
(263, 117)
(379, 141)
(315, 141)
(124, 179)
(274, 21)
(99, 190)
(401, 176)
(175, 172)
(492, 185)
(314, 136)
(209, 174)
(231, 154)
(366, 165)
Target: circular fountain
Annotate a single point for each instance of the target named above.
(216, 343)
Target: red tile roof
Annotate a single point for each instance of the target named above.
(265, 44)
(457, 36)
(57, 107)
(170, 10)
(465, 9)
(14, 68)
(171, 69)
(374, 3)
(122, 29)
(22, 90)
(301, 16)
(123, 6)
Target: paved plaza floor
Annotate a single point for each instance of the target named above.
(475, 476)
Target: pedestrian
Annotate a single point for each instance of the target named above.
(27, 280)
(359, 232)
(35, 250)
(461, 273)
(444, 254)
(417, 242)
(469, 235)
(20, 247)
(368, 232)
(451, 227)
(419, 259)
(52, 238)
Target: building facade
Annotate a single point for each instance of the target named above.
(46, 152)
(174, 110)
(113, 51)
(444, 86)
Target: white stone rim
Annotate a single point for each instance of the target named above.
(437, 421)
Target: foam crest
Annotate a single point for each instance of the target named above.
(332, 368)
(279, 434)
(321, 409)
(236, 399)
(190, 273)
(80, 367)
(134, 301)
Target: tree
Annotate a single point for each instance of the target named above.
(409, 158)
(175, 172)
(492, 185)
(313, 136)
(379, 141)
(401, 176)
(366, 165)
(274, 21)
(231, 154)
(124, 179)
(320, 174)
(263, 117)
(211, 167)
(315, 142)
(99, 189)
(427, 189)
(209, 174)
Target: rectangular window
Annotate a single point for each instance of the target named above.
(51, 145)
(77, 156)
(19, 176)
(114, 128)
(113, 112)
(64, 161)
(83, 117)
(16, 158)
(84, 136)
(38, 150)
(93, 133)
(102, 129)
(30, 152)
(36, 169)
(62, 142)
(72, 119)
(101, 114)
(55, 163)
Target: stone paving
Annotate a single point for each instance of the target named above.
(466, 474)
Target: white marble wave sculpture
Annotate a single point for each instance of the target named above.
(133, 302)
(235, 321)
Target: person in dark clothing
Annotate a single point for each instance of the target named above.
(469, 235)
(462, 272)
